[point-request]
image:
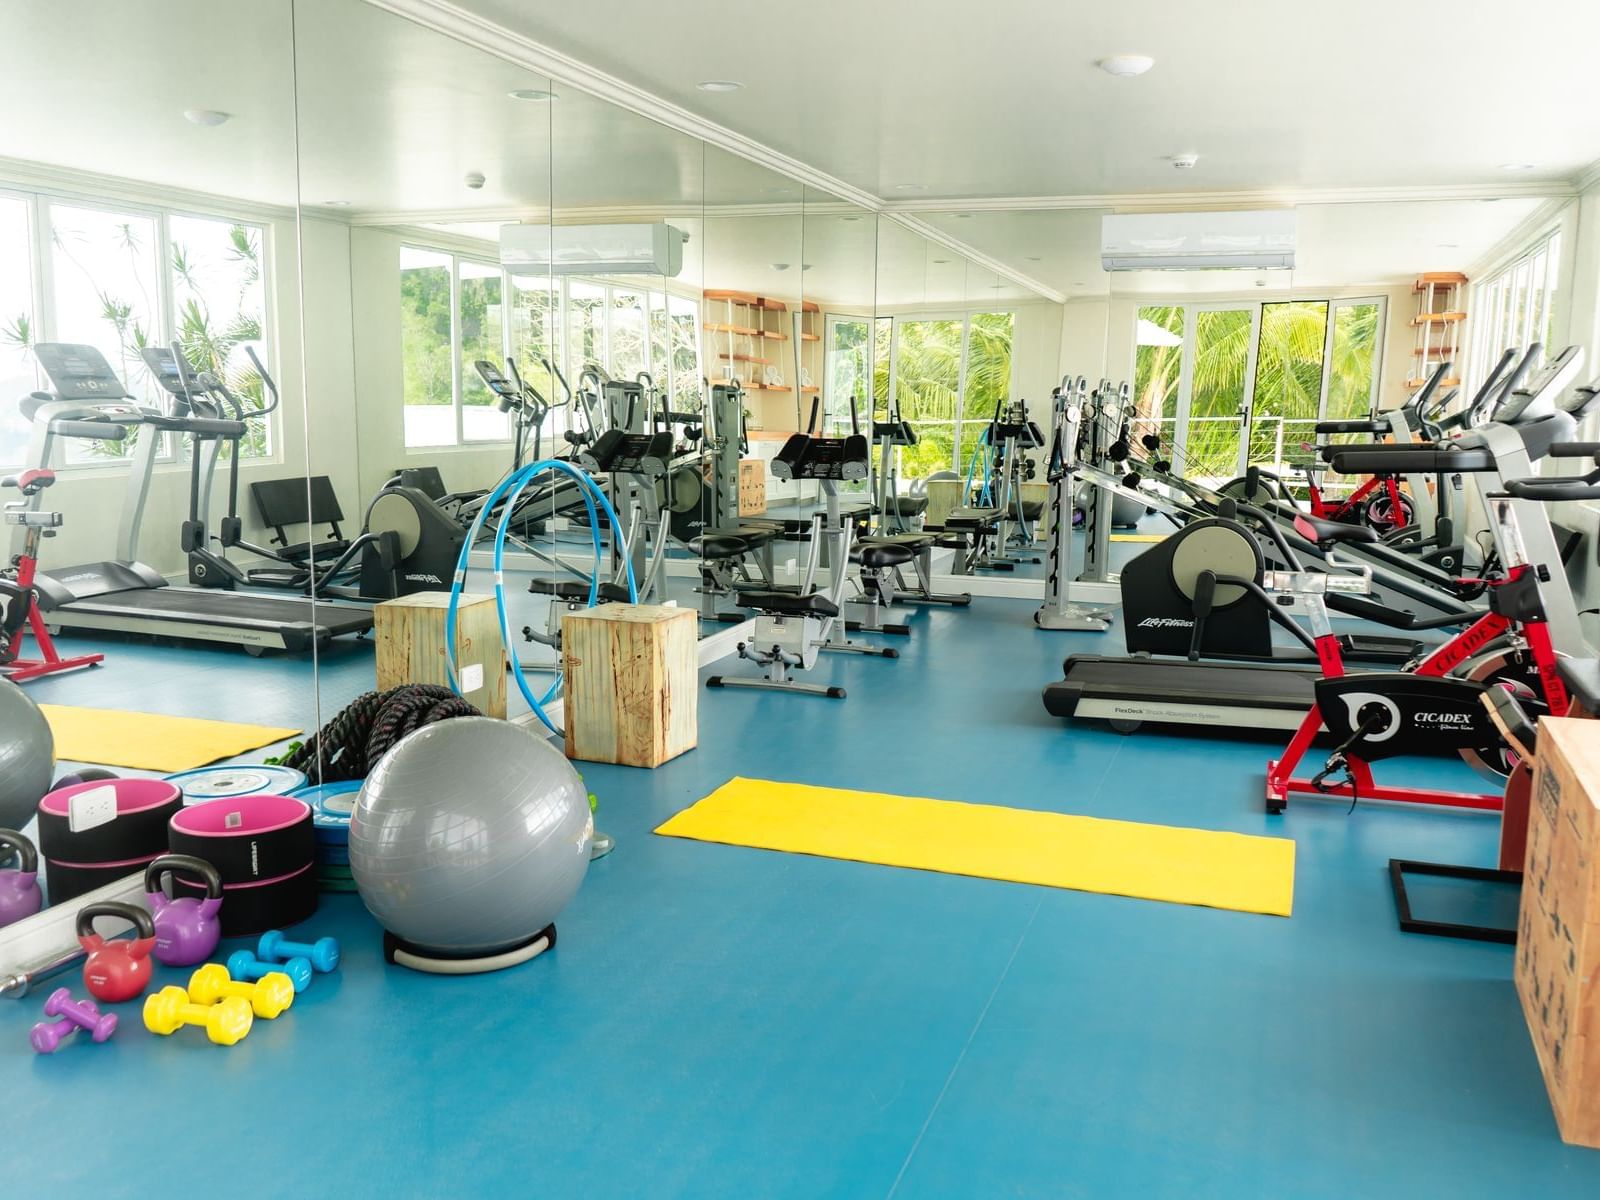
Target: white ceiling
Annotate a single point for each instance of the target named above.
(1003, 99)
(392, 116)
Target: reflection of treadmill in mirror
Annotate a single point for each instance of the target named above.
(125, 595)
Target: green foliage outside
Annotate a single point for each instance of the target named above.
(425, 342)
(1288, 379)
(927, 382)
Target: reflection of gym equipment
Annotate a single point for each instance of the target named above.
(284, 504)
(123, 594)
(21, 614)
(891, 511)
(1059, 611)
(792, 628)
(635, 466)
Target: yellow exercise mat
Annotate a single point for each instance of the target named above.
(1086, 854)
(1139, 537)
(149, 742)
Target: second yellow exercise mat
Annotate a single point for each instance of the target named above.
(1088, 854)
(150, 741)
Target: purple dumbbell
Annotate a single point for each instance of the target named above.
(243, 964)
(74, 1014)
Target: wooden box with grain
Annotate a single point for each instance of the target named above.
(410, 635)
(1558, 930)
(752, 487)
(632, 683)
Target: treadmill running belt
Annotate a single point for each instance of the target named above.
(1135, 690)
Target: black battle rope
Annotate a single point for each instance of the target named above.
(350, 745)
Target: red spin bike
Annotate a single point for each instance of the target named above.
(1427, 709)
(1378, 503)
(21, 597)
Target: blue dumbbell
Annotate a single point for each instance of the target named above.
(243, 964)
(323, 953)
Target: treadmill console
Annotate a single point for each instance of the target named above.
(171, 372)
(79, 372)
(498, 384)
(1543, 385)
(841, 459)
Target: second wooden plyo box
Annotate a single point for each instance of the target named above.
(632, 681)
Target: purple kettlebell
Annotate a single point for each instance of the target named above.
(19, 887)
(187, 929)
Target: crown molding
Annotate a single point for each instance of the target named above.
(1257, 198)
(1516, 240)
(67, 181)
(934, 234)
(453, 21)
(1588, 177)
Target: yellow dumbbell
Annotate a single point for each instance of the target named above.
(269, 997)
(169, 1010)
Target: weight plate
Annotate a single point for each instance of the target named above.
(329, 855)
(336, 885)
(230, 783)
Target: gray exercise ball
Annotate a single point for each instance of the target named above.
(27, 756)
(1126, 512)
(470, 836)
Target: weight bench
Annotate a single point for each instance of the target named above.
(971, 532)
(727, 555)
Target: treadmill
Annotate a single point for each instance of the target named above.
(1128, 692)
(124, 595)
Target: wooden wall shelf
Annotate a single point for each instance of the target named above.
(1439, 318)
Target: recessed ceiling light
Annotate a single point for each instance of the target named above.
(337, 203)
(1184, 162)
(205, 116)
(963, 216)
(1449, 245)
(719, 85)
(534, 95)
(1034, 258)
(1516, 166)
(910, 187)
(940, 261)
(780, 266)
(1126, 66)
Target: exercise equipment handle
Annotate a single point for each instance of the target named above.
(816, 407)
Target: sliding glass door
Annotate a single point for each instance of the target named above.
(1216, 389)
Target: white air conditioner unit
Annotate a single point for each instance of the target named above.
(654, 249)
(1198, 241)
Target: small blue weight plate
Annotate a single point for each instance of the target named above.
(333, 855)
(230, 783)
(318, 795)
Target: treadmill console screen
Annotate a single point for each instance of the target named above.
(169, 373)
(79, 372)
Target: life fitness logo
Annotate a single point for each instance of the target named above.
(1356, 701)
(1165, 623)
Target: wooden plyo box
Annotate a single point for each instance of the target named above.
(1558, 930)
(410, 634)
(632, 683)
(752, 487)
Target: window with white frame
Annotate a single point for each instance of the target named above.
(1515, 306)
(456, 310)
(120, 277)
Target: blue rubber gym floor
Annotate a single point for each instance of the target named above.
(726, 1022)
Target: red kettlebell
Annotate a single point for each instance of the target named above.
(118, 969)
